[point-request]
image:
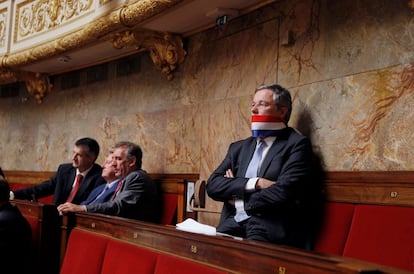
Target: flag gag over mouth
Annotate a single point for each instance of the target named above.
(265, 125)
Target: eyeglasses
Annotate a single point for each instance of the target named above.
(261, 104)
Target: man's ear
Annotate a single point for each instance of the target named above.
(283, 111)
(133, 161)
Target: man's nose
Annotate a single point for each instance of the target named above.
(254, 110)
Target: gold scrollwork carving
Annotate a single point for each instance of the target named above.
(37, 84)
(3, 23)
(166, 49)
(7, 75)
(139, 11)
(46, 14)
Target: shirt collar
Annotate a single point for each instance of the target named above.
(83, 173)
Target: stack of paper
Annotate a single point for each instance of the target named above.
(193, 226)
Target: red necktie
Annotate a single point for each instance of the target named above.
(118, 188)
(75, 188)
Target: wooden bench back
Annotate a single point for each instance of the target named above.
(371, 187)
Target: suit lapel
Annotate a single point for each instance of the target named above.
(247, 155)
(85, 183)
(70, 178)
(95, 192)
(275, 149)
(109, 193)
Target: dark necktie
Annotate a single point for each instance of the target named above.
(75, 188)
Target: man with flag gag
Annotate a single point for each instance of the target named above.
(264, 179)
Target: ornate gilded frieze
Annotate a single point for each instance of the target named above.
(3, 29)
(137, 12)
(43, 15)
(45, 29)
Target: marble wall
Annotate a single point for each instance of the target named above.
(348, 64)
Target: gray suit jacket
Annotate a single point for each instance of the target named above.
(138, 198)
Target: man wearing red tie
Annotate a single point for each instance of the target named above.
(137, 196)
(73, 181)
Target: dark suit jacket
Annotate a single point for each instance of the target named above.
(107, 195)
(15, 241)
(61, 185)
(139, 198)
(277, 211)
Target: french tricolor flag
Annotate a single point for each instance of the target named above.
(266, 125)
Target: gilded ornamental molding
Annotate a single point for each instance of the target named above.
(45, 29)
(43, 15)
(37, 84)
(166, 50)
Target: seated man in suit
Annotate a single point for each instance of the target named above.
(73, 181)
(263, 181)
(104, 192)
(137, 196)
(100, 194)
(15, 235)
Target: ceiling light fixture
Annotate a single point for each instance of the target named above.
(64, 59)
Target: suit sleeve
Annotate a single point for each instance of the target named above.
(43, 189)
(290, 183)
(221, 188)
(126, 201)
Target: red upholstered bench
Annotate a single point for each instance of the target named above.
(335, 228)
(382, 234)
(91, 253)
(123, 257)
(85, 253)
(169, 210)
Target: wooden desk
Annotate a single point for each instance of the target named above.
(44, 220)
(236, 256)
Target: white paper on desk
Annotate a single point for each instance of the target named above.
(191, 225)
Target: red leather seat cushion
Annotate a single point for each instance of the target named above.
(127, 258)
(335, 227)
(383, 235)
(169, 209)
(84, 253)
